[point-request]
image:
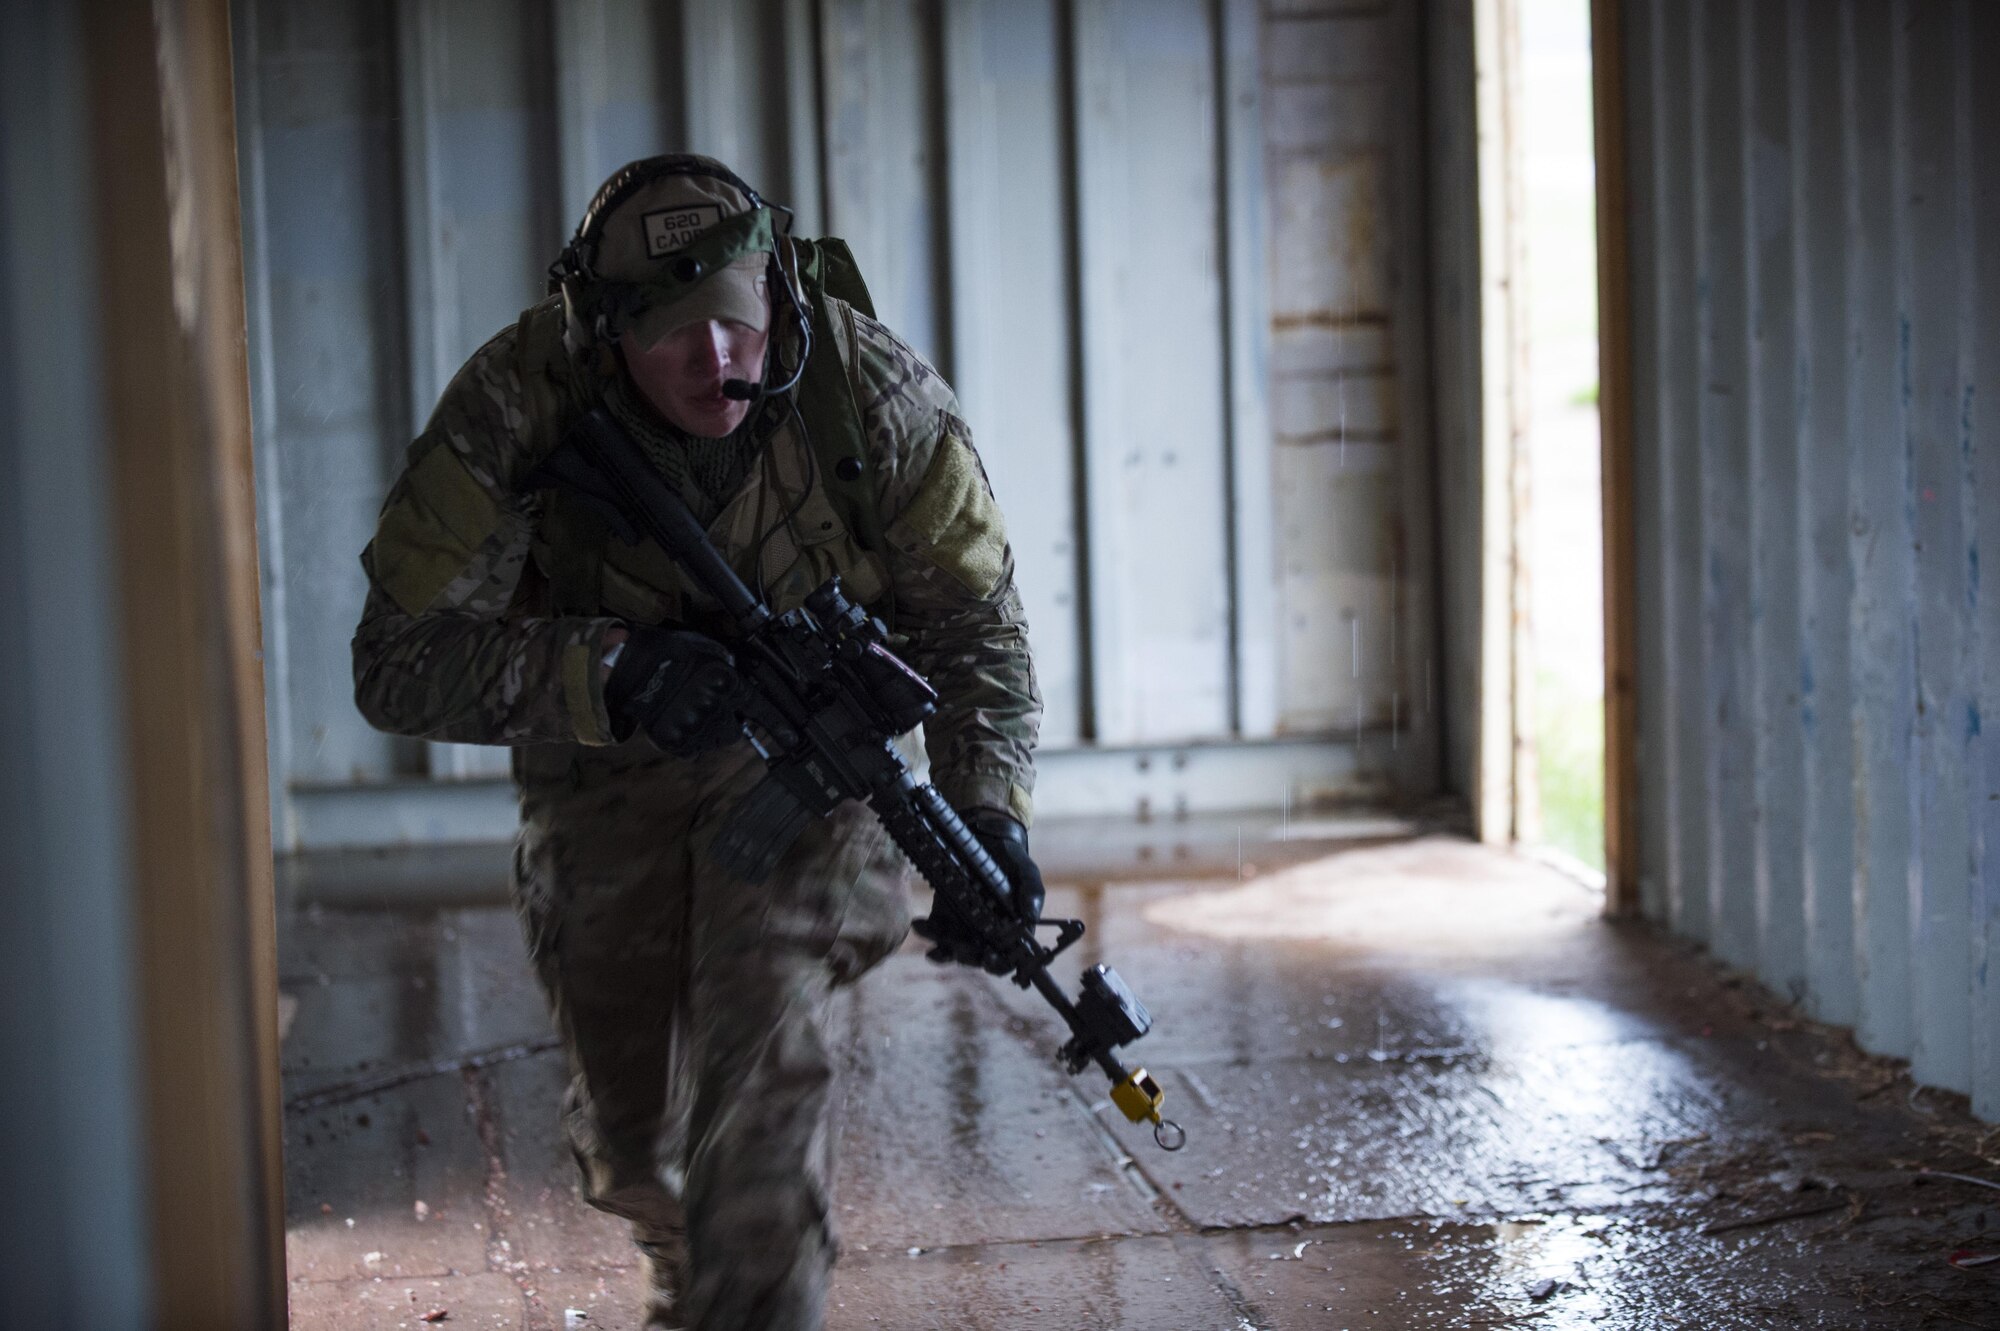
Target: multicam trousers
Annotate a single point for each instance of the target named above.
(693, 1007)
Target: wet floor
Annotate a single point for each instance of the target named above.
(1424, 1086)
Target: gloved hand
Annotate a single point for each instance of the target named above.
(678, 686)
(953, 939)
(1007, 842)
(956, 940)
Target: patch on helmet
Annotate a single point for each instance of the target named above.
(953, 520)
(671, 229)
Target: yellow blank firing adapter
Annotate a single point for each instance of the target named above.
(1139, 1098)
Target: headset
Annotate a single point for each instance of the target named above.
(595, 309)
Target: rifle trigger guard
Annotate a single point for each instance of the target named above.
(1068, 931)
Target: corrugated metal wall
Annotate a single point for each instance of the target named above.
(1349, 389)
(1816, 264)
(1163, 248)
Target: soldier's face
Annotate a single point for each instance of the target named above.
(682, 373)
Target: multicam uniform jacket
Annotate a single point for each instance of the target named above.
(489, 600)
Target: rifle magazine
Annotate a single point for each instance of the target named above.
(759, 831)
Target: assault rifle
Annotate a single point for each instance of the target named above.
(826, 699)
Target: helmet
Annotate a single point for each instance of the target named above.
(667, 241)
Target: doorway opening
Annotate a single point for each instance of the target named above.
(1560, 521)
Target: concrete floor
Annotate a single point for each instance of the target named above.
(1424, 1086)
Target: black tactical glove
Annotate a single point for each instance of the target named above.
(956, 940)
(953, 939)
(680, 687)
(1007, 842)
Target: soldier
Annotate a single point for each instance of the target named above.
(692, 1006)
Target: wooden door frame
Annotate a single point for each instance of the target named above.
(1502, 753)
(1614, 405)
(168, 250)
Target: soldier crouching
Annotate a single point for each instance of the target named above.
(692, 1005)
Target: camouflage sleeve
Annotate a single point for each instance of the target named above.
(445, 649)
(953, 574)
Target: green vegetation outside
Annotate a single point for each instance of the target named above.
(1569, 724)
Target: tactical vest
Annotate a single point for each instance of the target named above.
(834, 524)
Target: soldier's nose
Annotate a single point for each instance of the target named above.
(711, 353)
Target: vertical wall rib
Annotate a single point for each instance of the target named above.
(1676, 223)
(1939, 453)
(1722, 373)
(1818, 58)
(1651, 517)
(1883, 701)
(1979, 298)
(1775, 606)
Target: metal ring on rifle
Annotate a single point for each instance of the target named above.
(1170, 1135)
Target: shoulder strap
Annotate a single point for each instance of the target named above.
(572, 534)
(826, 399)
(548, 375)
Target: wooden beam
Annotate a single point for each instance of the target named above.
(178, 412)
(1614, 399)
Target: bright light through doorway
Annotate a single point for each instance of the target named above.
(1562, 538)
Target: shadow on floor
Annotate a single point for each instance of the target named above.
(1424, 1086)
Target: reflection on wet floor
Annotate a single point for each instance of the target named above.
(1424, 1085)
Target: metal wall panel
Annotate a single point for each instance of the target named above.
(616, 99)
(1651, 520)
(1010, 193)
(1451, 258)
(1153, 395)
(1686, 737)
(329, 372)
(1814, 76)
(1339, 376)
(1979, 296)
(479, 201)
(1880, 648)
(1186, 325)
(1818, 314)
(1248, 282)
(1722, 370)
(1937, 437)
(885, 157)
(1775, 585)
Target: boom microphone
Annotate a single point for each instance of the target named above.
(739, 390)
